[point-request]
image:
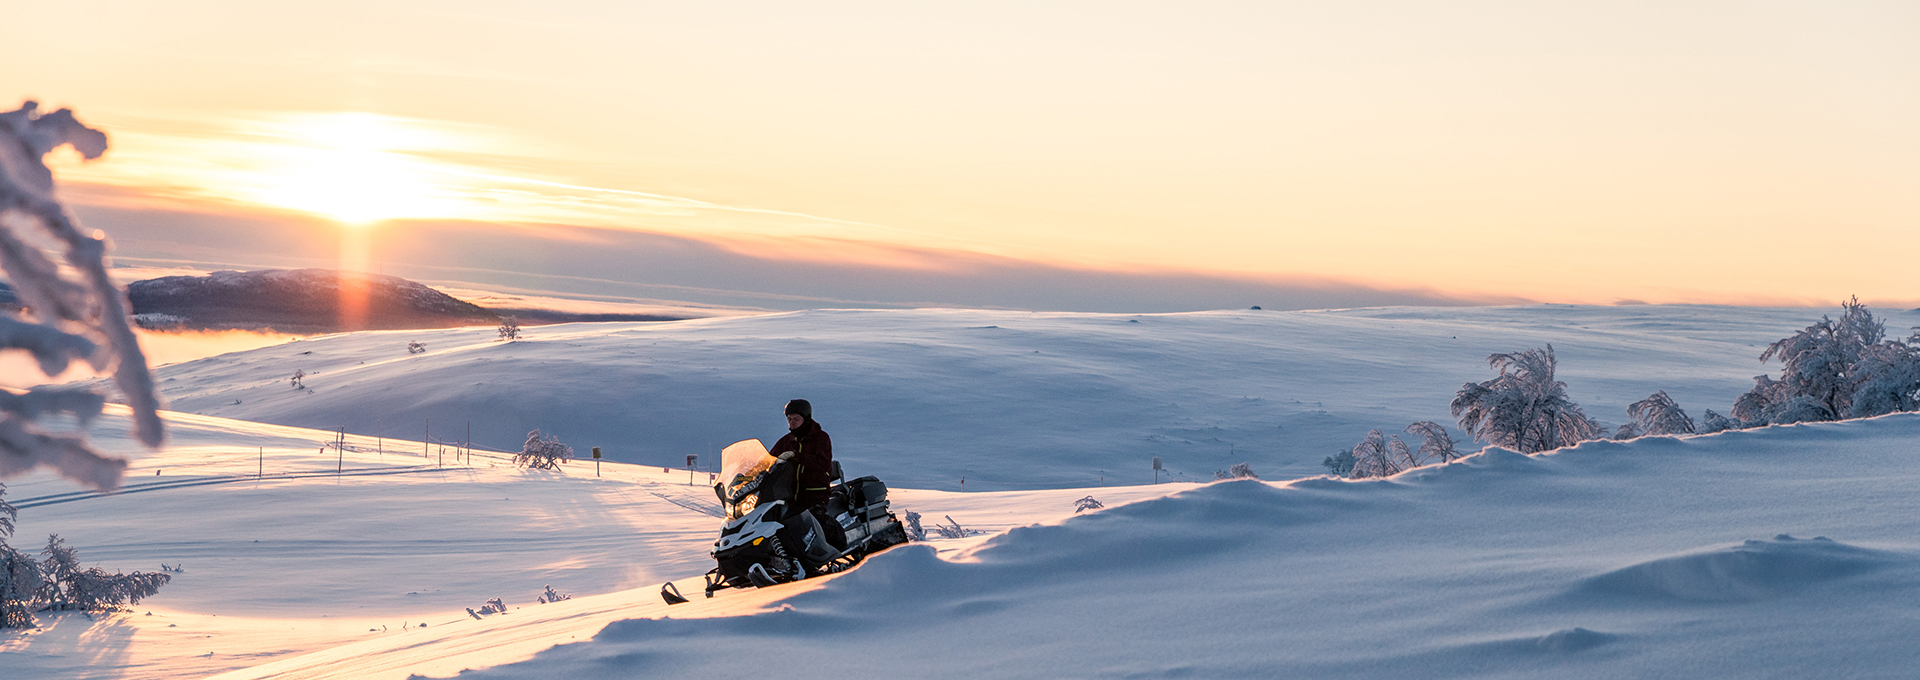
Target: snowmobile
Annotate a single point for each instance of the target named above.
(763, 544)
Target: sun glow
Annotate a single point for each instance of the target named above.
(351, 167)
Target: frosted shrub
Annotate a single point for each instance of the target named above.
(1657, 415)
(1525, 408)
(1086, 504)
(415, 347)
(553, 596)
(912, 525)
(298, 376)
(1714, 422)
(68, 587)
(1435, 442)
(951, 529)
(509, 329)
(1835, 369)
(20, 575)
(65, 319)
(542, 453)
(1238, 471)
(1339, 464)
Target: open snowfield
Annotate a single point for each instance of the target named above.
(1780, 552)
(1005, 400)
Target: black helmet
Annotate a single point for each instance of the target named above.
(800, 407)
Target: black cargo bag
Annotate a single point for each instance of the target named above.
(867, 491)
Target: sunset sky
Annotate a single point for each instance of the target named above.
(1478, 152)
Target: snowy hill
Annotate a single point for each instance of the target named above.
(296, 301)
(1005, 400)
(1777, 552)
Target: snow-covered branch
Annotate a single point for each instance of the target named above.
(84, 319)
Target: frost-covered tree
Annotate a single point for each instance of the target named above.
(415, 347)
(542, 452)
(83, 318)
(20, 580)
(1086, 504)
(1835, 368)
(1889, 379)
(509, 328)
(1714, 422)
(1525, 408)
(69, 587)
(1373, 457)
(1435, 441)
(20, 576)
(1658, 414)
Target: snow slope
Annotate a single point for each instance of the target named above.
(1788, 552)
(1005, 400)
(290, 547)
(1658, 557)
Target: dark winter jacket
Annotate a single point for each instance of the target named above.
(813, 452)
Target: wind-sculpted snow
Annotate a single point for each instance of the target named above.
(1606, 560)
(1755, 570)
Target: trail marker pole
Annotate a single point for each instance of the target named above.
(424, 451)
(596, 461)
(1156, 469)
(691, 458)
(467, 448)
(263, 464)
(340, 452)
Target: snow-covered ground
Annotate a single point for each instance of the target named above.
(1659, 557)
(1004, 400)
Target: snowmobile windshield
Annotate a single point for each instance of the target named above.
(740, 463)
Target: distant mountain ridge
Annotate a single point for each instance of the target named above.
(297, 301)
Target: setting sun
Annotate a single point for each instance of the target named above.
(349, 167)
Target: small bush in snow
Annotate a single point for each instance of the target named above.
(1714, 422)
(20, 576)
(1658, 414)
(68, 587)
(493, 606)
(951, 529)
(1238, 471)
(20, 580)
(1086, 504)
(298, 375)
(1339, 464)
(553, 596)
(83, 318)
(1378, 455)
(1524, 408)
(912, 525)
(542, 453)
(416, 348)
(509, 329)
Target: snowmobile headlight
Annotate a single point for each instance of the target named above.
(758, 540)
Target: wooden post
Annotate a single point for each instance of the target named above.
(263, 464)
(424, 451)
(596, 461)
(467, 448)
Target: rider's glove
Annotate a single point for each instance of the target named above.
(786, 456)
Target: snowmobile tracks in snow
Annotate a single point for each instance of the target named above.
(690, 505)
(53, 499)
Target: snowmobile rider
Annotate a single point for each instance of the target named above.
(812, 453)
